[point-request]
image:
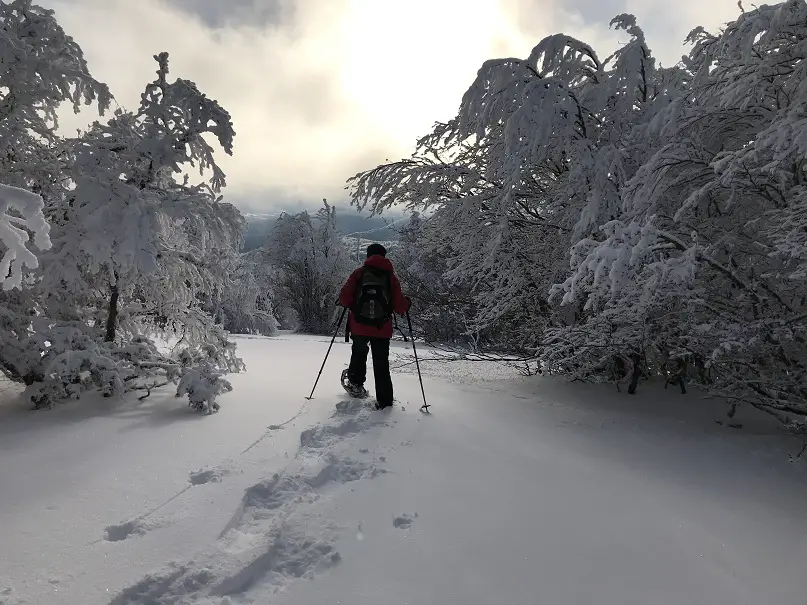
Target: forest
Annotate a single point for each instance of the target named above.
(586, 212)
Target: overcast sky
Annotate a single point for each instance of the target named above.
(322, 89)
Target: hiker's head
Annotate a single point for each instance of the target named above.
(374, 249)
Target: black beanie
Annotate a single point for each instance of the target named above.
(374, 249)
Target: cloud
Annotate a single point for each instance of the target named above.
(217, 14)
(321, 89)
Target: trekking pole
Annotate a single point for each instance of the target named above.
(425, 405)
(322, 367)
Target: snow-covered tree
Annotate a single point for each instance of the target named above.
(313, 263)
(137, 253)
(40, 69)
(440, 310)
(493, 233)
(248, 306)
(674, 197)
(712, 230)
(157, 243)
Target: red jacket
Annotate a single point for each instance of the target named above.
(347, 298)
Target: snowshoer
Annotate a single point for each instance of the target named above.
(372, 293)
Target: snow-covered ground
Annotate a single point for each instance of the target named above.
(514, 491)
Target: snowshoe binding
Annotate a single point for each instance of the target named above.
(356, 391)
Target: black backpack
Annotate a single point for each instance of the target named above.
(373, 297)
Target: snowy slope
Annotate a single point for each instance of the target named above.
(69, 474)
(513, 491)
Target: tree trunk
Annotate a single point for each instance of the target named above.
(112, 312)
(637, 373)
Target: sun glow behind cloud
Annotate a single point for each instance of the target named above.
(338, 86)
(408, 73)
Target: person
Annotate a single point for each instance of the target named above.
(372, 293)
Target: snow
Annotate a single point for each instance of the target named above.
(14, 234)
(512, 491)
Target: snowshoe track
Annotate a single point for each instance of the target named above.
(274, 537)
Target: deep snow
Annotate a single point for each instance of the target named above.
(512, 491)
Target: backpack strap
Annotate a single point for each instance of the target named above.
(362, 271)
(391, 308)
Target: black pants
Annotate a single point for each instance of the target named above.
(357, 371)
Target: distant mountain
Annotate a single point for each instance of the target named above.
(349, 222)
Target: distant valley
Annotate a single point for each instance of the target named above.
(348, 221)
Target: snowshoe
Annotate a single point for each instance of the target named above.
(354, 390)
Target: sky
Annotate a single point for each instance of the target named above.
(319, 90)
